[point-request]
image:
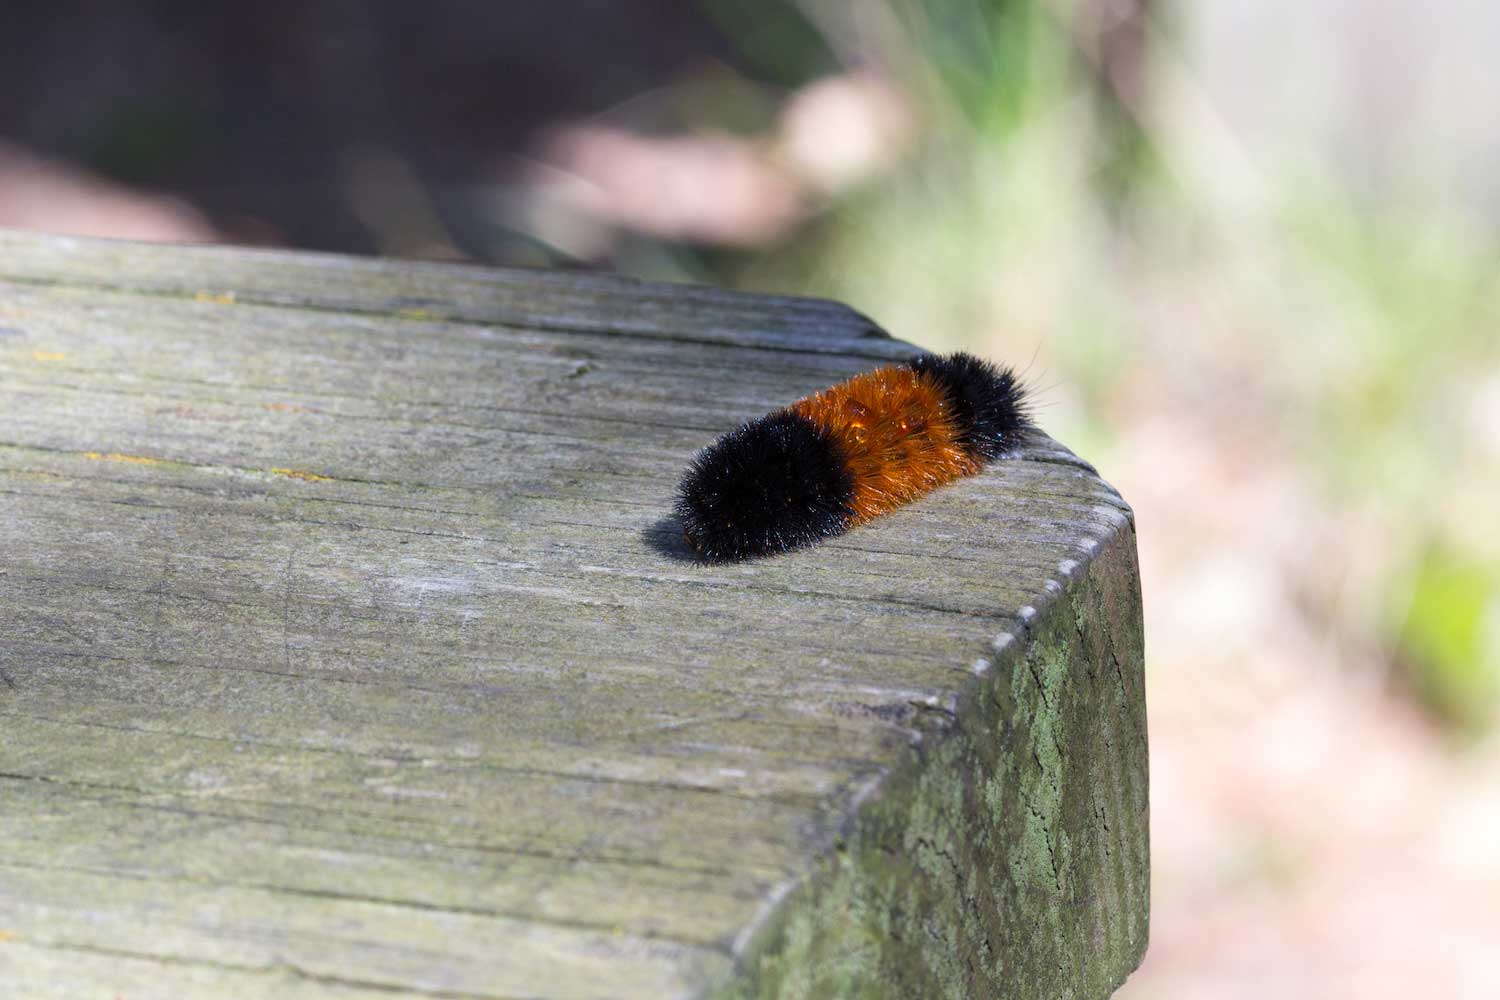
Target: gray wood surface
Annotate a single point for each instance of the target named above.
(347, 650)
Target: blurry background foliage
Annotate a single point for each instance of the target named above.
(1058, 188)
(1245, 252)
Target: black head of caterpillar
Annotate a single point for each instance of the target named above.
(989, 404)
(775, 484)
(849, 453)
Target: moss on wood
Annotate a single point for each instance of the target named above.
(1008, 855)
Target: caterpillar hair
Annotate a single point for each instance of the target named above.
(854, 451)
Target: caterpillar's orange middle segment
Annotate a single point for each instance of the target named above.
(898, 435)
(847, 454)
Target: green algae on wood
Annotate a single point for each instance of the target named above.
(1008, 857)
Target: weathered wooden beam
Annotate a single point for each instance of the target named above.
(347, 649)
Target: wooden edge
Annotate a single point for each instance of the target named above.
(432, 291)
(1008, 854)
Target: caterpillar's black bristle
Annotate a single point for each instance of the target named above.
(989, 403)
(775, 484)
(847, 454)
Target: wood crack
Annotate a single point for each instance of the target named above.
(278, 968)
(155, 877)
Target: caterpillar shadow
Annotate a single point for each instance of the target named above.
(664, 537)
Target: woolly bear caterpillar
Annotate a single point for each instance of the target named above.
(851, 452)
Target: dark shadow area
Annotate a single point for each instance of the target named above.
(334, 125)
(664, 537)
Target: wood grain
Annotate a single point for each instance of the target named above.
(347, 650)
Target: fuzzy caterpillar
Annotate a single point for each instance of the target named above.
(851, 452)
